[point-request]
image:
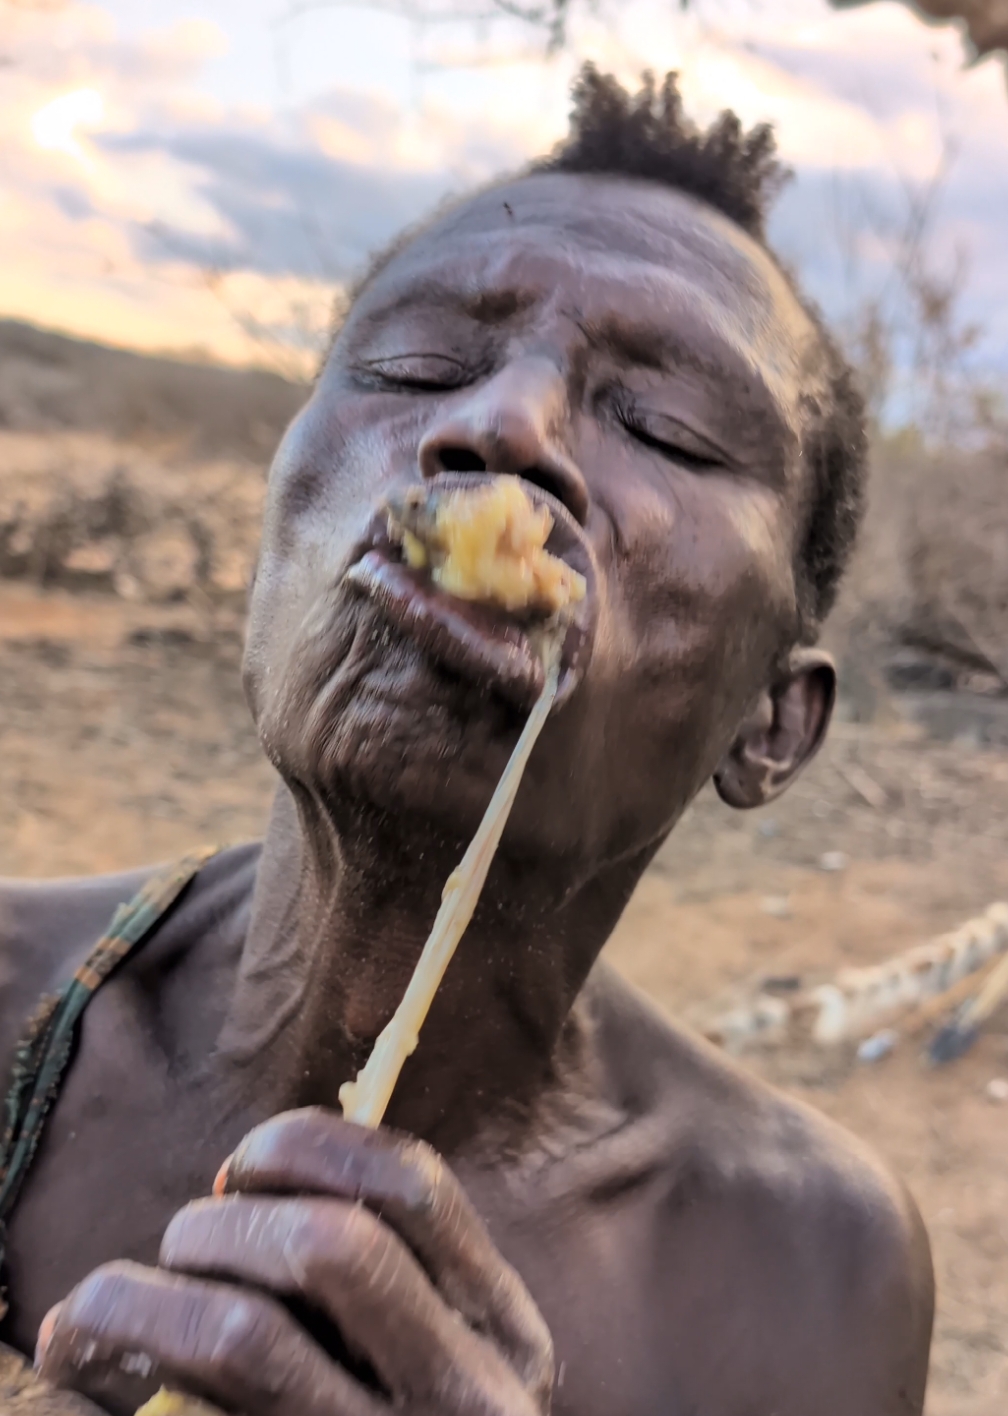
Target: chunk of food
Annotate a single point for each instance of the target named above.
(173, 1403)
(485, 543)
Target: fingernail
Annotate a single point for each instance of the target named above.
(45, 1332)
(220, 1179)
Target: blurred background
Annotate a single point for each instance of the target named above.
(186, 190)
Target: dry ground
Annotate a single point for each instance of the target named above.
(124, 739)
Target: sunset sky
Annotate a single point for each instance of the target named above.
(204, 176)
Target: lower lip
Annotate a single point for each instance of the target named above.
(472, 640)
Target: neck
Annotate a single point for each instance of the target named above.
(339, 919)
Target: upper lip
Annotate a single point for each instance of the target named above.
(480, 642)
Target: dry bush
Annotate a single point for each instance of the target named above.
(930, 574)
(130, 474)
(957, 558)
(85, 511)
(50, 382)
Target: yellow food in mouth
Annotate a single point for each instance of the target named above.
(171, 1403)
(486, 543)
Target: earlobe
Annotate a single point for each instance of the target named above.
(783, 732)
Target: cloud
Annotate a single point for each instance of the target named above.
(283, 208)
(942, 133)
(74, 42)
(844, 238)
(122, 180)
(159, 210)
(314, 194)
(874, 111)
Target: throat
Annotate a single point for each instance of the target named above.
(336, 931)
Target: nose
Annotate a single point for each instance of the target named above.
(510, 425)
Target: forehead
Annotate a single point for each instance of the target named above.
(613, 249)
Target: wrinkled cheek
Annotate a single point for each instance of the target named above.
(299, 640)
(736, 609)
(749, 619)
(272, 619)
(695, 639)
(763, 537)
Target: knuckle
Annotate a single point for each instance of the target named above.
(262, 1147)
(277, 1144)
(111, 1315)
(367, 1255)
(522, 1331)
(307, 1240)
(537, 1335)
(102, 1292)
(187, 1224)
(246, 1332)
(342, 1244)
(360, 1234)
(431, 1183)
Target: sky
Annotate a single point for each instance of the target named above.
(207, 177)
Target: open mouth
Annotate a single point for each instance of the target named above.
(482, 642)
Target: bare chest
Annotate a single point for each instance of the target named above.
(586, 1236)
(128, 1142)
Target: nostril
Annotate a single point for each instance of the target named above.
(568, 490)
(460, 459)
(556, 475)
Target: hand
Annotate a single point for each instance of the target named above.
(402, 1301)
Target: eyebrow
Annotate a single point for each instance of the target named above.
(653, 347)
(665, 349)
(661, 348)
(633, 345)
(487, 307)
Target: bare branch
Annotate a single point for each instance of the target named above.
(549, 16)
(985, 21)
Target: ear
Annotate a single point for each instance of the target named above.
(783, 732)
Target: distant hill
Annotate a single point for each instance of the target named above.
(50, 382)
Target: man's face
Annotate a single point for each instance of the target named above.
(640, 362)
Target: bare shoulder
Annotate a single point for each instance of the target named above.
(721, 1118)
(47, 927)
(803, 1225)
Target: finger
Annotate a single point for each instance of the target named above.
(410, 1187)
(45, 1332)
(343, 1261)
(220, 1179)
(126, 1331)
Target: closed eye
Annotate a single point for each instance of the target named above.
(422, 373)
(672, 439)
(698, 462)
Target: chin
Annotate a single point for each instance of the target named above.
(361, 717)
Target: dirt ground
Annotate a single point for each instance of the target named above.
(124, 739)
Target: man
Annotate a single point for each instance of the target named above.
(601, 1216)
